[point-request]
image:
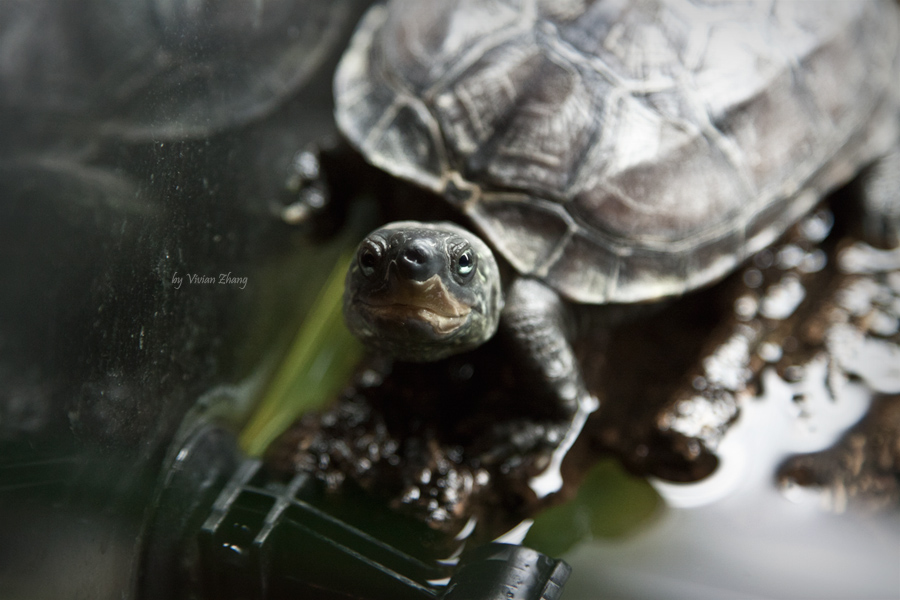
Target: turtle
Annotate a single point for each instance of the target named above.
(601, 156)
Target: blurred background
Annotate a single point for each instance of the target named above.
(149, 289)
(148, 281)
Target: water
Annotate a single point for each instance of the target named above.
(736, 535)
(740, 533)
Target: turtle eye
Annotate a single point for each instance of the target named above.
(368, 258)
(465, 264)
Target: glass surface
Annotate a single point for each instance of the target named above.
(147, 274)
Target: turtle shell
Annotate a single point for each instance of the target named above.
(624, 150)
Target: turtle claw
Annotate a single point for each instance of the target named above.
(550, 479)
(538, 447)
(310, 202)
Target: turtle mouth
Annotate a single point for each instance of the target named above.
(426, 301)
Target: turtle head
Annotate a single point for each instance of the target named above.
(423, 291)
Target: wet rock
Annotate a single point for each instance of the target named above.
(860, 471)
(414, 437)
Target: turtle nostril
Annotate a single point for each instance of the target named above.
(415, 256)
(418, 261)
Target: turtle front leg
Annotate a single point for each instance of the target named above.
(305, 190)
(320, 183)
(536, 320)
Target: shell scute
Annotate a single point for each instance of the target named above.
(539, 141)
(531, 236)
